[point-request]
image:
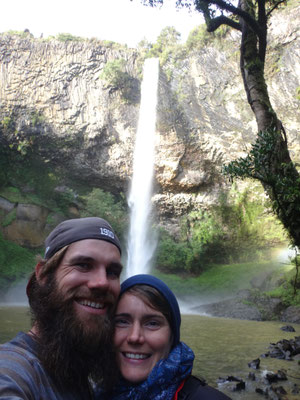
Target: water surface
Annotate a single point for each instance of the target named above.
(222, 347)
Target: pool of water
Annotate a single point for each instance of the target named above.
(222, 347)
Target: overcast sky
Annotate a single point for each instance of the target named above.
(122, 21)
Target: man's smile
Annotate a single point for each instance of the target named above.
(91, 304)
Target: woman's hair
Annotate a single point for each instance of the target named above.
(157, 295)
(153, 298)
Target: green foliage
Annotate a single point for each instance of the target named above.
(7, 123)
(22, 34)
(64, 198)
(12, 194)
(198, 38)
(15, 263)
(165, 41)
(27, 178)
(284, 181)
(115, 75)
(171, 255)
(203, 234)
(103, 204)
(221, 279)
(167, 48)
(18, 141)
(37, 119)
(285, 291)
(64, 37)
(298, 93)
(236, 230)
(9, 218)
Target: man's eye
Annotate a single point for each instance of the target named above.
(83, 265)
(114, 272)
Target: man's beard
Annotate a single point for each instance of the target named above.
(70, 350)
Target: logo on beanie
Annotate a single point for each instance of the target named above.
(47, 249)
(107, 232)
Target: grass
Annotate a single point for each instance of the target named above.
(222, 279)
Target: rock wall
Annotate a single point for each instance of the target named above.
(55, 93)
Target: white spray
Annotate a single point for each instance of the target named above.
(142, 242)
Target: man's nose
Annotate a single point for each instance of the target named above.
(136, 334)
(98, 279)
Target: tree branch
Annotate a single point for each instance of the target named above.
(234, 10)
(222, 20)
(274, 7)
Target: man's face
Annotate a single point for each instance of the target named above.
(89, 277)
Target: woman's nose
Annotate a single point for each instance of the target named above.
(136, 335)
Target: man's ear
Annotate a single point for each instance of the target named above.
(38, 272)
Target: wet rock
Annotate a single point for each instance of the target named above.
(291, 314)
(285, 349)
(232, 383)
(278, 389)
(6, 205)
(262, 391)
(28, 227)
(254, 363)
(288, 328)
(270, 377)
(279, 376)
(274, 396)
(295, 389)
(272, 393)
(252, 376)
(231, 308)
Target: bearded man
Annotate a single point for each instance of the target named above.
(72, 293)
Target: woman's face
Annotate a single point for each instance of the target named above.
(142, 337)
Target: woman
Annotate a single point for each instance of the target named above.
(154, 364)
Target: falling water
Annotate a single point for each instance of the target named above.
(141, 242)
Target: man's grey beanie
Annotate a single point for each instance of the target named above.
(73, 230)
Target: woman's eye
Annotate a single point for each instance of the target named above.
(153, 324)
(121, 322)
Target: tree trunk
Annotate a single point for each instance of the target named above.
(278, 168)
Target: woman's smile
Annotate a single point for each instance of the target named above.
(135, 356)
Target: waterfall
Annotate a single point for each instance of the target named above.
(141, 241)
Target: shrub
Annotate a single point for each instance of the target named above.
(198, 38)
(64, 37)
(103, 204)
(114, 73)
(9, 218)
(15, 263)
(171, 255)
(237, 230)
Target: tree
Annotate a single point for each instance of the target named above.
(269, 160)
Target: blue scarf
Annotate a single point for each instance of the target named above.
(163, 380)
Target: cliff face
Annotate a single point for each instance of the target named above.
(55, 93)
